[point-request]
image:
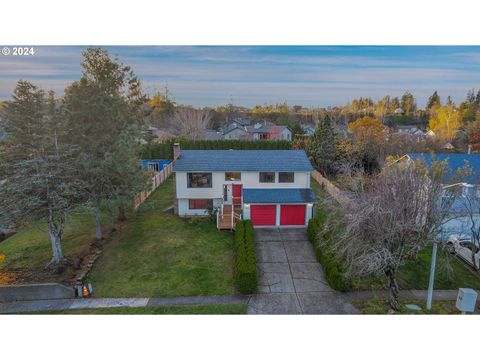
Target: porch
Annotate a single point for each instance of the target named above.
(228, 215)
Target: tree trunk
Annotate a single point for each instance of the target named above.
(56, 246)
(98, 224)
(111, 221)
(393, 288)
(121, 214)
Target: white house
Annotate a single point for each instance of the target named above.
(270, 187)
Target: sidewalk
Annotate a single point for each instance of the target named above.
(43, 305)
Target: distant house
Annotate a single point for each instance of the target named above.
(468, 191)
(410, 130)
(269, 187)
(214, 134)
(259, 132)
(309, 130)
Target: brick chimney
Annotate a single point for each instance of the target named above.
(176, 151)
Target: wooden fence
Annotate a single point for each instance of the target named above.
(333, 191)
(157, 179)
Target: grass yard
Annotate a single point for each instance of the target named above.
(159, 254)
(27, 252)
(379, 306)
(156, 310)
(451, 273)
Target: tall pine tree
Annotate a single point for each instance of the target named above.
(323, 147)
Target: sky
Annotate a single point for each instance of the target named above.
(319, 76)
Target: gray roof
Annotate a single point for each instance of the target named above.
(243, 160)
(277, 196)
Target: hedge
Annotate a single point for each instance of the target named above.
(164, 150)
(333, 269)
(245, 260)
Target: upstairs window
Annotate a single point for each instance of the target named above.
(267, 177)
(199, 180)
(286, 177)
(233, 176)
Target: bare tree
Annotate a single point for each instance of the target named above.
(398, 214)
(191, 123)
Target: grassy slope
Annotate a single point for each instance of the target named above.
(159, 254)
(156, 310)
(451, 273)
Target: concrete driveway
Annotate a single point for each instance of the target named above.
(291, 281)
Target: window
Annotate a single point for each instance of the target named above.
(200, 204)
(286, 177)
(199, 180)
(267, 177)
(233, 176)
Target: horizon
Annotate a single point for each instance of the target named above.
(310, 76)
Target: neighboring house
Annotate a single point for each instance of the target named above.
(259, 132)
(410, 130)
(214, 134)
(465, 210)
(270, 187)
(309, 130)
(234, 123)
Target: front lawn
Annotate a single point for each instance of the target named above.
(222, 309)
(159, 254)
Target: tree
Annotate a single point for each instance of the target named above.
(446, 122)
(323, 147)
(102, 108)
(163, 110)
(396, 216)
(408, 104)
(434, 101)
(382, 108)
(42, 180)
(191, 123)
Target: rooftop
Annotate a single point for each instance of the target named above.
(243, 160)
(275, 196)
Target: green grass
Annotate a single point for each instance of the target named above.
(159, 254)
(155, 310)
(30, 250)
(380, 306)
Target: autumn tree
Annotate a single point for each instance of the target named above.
(382, 108)
(433, 103)
(162, 110)
(446, 122)
(39, 165)
(408, 104)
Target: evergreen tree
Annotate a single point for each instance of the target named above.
(434, 101)
(42, 181)
(408, 104)
(323, 147)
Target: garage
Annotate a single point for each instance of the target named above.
(263, 215)
(292, 215)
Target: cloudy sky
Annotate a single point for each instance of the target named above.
(249, 75)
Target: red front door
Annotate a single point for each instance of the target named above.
(292, 215)
(263, 215)
(237, 194)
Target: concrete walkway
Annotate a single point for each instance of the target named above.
(95, 303)
(291, 281)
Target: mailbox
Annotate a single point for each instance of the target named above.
(466, 300)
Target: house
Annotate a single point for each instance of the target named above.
(465, 209)
(410, 130)
(270, 187)
(258, 132)
(309, 130)
(234, 123)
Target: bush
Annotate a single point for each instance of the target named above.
(164, 150)
(320, 239)
(245, 260)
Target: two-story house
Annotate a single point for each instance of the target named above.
(270, 187)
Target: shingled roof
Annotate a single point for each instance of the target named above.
(275, 196)
(243, 160)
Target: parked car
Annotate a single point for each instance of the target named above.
(463, 248)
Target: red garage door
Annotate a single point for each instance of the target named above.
(263, 215)
(292, 215)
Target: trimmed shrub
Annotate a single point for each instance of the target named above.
(245, 260)
(164, 150)
(333, 269)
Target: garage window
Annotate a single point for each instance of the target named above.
(286, 177)
(267, 177)
(199, 180)
(199, 204)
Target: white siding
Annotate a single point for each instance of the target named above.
(183, 209)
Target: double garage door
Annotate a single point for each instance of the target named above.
(266, 215)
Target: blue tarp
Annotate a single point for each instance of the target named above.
(154, 164)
